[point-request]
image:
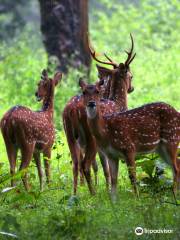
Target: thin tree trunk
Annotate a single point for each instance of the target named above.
(64, 25)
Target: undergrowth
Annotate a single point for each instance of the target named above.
(55, 213)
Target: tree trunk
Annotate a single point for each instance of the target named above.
(64, 25)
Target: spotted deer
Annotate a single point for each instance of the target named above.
(30, 131)
(153, 127)
(81, 143)
(117, 81)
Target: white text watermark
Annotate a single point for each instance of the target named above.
(140, 231)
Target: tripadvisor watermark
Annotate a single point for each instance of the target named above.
(139, 231)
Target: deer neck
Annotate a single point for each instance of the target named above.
(48, 103)
(106, 89)
(118, 93)
(97, 125)
(120, 98)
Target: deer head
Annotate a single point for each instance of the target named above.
(91, 95)
(46, 85)
(120, 72)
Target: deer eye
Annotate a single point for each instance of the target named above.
(83, 92)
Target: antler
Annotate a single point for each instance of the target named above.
(130, 57)
(93, 55)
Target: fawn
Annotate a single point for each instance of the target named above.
(31, 132)
(149, 128)
(81, 143)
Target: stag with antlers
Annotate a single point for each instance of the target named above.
(81, 143)
(117, 81)
(153, 127)
(31, 132)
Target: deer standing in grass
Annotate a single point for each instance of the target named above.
(31, 132)
(81, 143)
(153, 127)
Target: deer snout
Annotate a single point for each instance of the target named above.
(91, 104)
(131, 89)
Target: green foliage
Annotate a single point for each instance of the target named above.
(148, 166)
(155, 27)
(54, 213)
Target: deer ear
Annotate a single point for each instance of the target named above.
(57, 78)
(44, 72)
(44, 75)
(104, 72)
(82, 83)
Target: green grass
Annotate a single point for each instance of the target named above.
(55, 213)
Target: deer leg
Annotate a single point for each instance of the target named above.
(11, 152)
(113, 168)
(47, 157)
(130, 161)
(93, 163)
(26, 152)
(80, 168)
(176, 172)
(12, 156)
(105, 167)
(81, 176)
(168, 153)
(71, 129)
(75, 155)
(176, 184)
(95, 169)
(38, 164)
(173, 160)
(178, 177)
(89, 157)
(75, 175)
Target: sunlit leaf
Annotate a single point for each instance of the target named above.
(7, 189)
(9, 234)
